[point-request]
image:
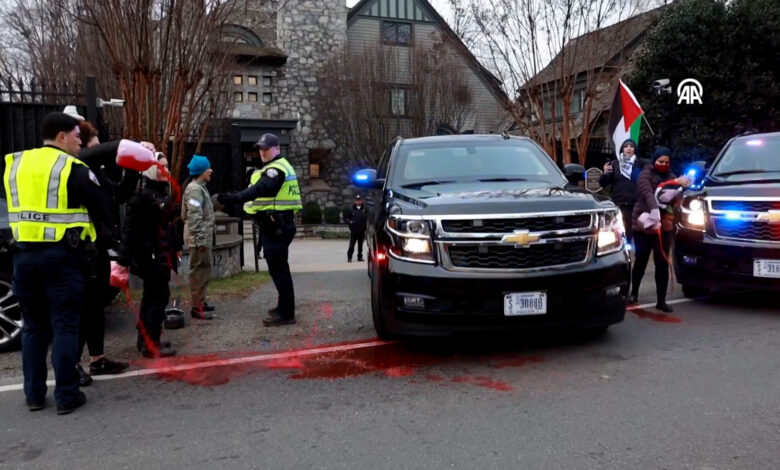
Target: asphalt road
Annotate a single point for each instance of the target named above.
(699, 389)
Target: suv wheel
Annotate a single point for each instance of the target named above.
(377, 310)
(10, 316)
(693, 291)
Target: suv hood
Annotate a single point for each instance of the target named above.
(496, 198)
(768, 189)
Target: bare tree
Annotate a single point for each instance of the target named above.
(520, 36)
(170, 61)
(367, 98)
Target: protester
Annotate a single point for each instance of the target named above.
(356, 218)
(151, 248)
(54, 228)
(650, 234)
(98, 292)
(197, 213)
(272, 198)
(624, 181)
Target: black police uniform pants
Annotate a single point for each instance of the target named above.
(356, 237)
(50, 287)
(154, 299)
(97, 296)
(276, 246)
(647, 243)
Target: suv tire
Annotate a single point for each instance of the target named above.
(10, 315)
(377, 303)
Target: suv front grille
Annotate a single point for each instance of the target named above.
(508, 257)
(745, 206)
(747, 230)
(532, 224)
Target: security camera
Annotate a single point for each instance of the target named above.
(661, 83)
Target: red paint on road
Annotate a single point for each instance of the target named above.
(389, 359)
(655, 316)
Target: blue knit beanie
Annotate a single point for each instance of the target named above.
(660, 152)
(198, 165)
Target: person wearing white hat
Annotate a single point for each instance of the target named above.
(71, 110)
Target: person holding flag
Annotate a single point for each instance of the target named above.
(623, 172)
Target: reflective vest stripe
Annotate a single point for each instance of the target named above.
(49, 234)
(264, 202)
(14, 189)
(52, 202)
(32, 216)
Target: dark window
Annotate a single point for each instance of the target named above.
(267, 80)
(267, 98)
(397, 33)
(252, 97)
(238, 96)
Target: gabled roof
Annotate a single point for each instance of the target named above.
(490, 80)
(597, 48)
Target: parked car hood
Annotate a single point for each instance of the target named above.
(768, 189)
(494, 197)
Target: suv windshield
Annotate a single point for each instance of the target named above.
(464, 161)
(749, 159)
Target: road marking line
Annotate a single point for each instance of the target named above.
(671, 302)
(223, 362)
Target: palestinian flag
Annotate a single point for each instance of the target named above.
(624, 118)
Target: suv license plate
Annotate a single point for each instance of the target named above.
(766, 268)
(525, 303)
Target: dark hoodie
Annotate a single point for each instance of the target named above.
(149, 234)
(623, 189)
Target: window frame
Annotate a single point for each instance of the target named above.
(405, 89)
(249, 80)
(250, 95)
(385, 41)
(238, 80)
(270, 98)
(237, 94)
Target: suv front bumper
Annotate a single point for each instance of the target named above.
(591, 296)
(711, 263)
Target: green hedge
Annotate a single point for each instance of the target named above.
(332, 215)
(311, 213)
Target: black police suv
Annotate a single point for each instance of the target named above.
(728, 232)
(478, 232)
(10, 312)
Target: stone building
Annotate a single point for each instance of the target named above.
(281, 50)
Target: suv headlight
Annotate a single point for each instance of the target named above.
(693, 215)
(611, 236)
(411, 239)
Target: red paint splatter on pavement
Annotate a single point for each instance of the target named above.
(485, 382)
(655, 316)
(327, 310)
(390, 360)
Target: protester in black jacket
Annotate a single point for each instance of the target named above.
(356, 218)
(151, 247)
(116, 189)
(622, 174)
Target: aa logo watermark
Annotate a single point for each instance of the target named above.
(689, 91)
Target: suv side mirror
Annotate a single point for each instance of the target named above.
(367, 179)
(574, 172)
(696, 172)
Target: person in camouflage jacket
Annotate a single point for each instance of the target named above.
(197, 213)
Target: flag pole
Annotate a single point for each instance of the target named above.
(648, 124)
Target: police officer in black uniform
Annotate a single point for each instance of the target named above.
(272, 198)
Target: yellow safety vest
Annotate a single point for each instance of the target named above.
(36, 187)
(287, 199)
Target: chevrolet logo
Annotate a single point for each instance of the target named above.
(520, 238)
(771, 217)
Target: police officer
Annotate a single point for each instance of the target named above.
(55, 212)
(272, 198)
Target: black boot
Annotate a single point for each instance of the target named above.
(664, 307)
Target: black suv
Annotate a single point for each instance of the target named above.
(728, 235)
(10, 313)
(478, 232)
